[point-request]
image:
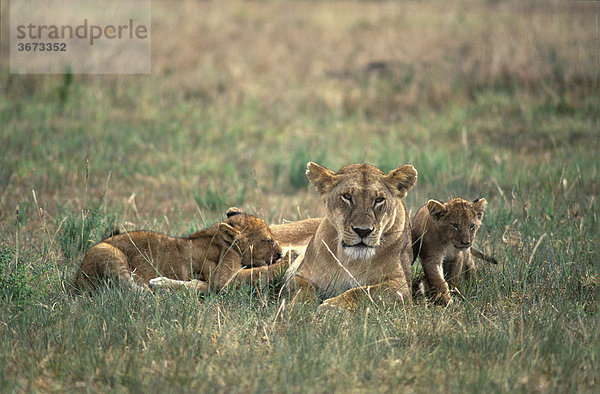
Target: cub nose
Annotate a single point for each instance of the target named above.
(362, 232)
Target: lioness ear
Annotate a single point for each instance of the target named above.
(479, 206)
(228, 233)
(403, 179)
(320, 177)
(436, 209)
(234, 211)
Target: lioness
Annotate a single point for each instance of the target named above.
(363, 247)
(443, 235)
(213, 258)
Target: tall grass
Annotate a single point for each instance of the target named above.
(492, 99)
(80, 230)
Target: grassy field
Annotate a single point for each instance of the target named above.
(490, 99)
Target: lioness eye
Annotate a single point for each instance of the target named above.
(379, 200)
(473, 226)
(347, 197)
(454, 226)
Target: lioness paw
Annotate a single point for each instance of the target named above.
(330, 308)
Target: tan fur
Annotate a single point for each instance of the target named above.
(443, 235)
(363, 248)
(211, 259)
(295, 235)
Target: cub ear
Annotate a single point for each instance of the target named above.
(321, 177)
(228, 233)
(436, 209)
(479, 206)
(403, 179)
(234, 211)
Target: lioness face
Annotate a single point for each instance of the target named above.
(361, 203)
(458, 220)
(252, 238)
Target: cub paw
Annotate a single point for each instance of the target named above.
(159, 282)
(288, 259)
(291, 255)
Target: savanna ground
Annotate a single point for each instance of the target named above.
(494, 99)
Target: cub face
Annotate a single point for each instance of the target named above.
(251, 237)
(458, 220)
(362, 203)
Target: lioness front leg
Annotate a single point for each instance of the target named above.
(434, 275)
(392, 291)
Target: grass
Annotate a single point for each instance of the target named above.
(497, 100)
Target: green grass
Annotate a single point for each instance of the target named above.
(506, 110)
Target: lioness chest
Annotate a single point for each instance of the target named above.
(347, 276)
(332, 276)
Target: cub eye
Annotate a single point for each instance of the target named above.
(379, 200)
(472, 226)
(347, 197)
(454, 226)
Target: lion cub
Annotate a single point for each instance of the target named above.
(443, 235)
(207, 260)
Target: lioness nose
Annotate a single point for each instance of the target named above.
(362, 232)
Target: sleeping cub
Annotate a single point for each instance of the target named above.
(443, 235)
